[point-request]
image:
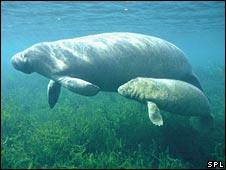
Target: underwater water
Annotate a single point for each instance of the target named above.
(108, 130)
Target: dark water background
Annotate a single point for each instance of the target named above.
(107, 130)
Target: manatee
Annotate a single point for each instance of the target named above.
(88, 64)
(174, 96)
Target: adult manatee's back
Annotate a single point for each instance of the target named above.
(88, 64)
(111, 59)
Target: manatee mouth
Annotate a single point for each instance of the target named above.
(20, 63)
(120, 90)
(124, 90)
(15, 63)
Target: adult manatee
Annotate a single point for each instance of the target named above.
(173, 96)
(105, 61)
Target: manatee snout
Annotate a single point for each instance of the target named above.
(20, 63)
(122, 90)
(127, 89)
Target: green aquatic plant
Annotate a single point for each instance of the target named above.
(166, 162)
(103, 131)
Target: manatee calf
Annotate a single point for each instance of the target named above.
(173, 96)
(105, 61)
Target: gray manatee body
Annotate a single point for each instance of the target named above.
(105, 61)
(173, 96)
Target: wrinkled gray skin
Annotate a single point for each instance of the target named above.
(88, 64)
(170, 95)
(173, 96)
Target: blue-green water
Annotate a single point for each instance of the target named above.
(107, 130)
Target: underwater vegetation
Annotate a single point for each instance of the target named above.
(104, 131)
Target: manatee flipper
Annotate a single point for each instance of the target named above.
(154, 114)
(193, 79)
(53, 92)
(79, 86)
